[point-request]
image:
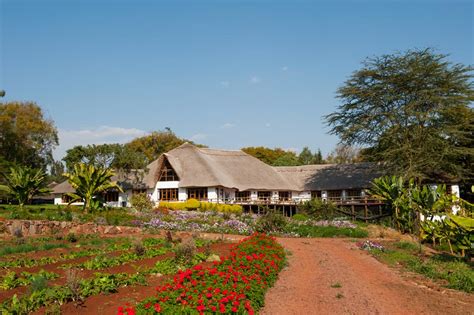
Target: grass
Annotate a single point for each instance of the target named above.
(336, 285)
(454, 271)
(339, 296)
(327, 231)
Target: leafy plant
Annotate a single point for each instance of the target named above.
(23, 183)
(89, 181)
(141, 202)
(271, 222)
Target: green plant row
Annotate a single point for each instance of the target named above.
(12, 279)
(29, 247)
(102, 262)
(100, 283)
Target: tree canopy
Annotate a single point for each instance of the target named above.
(412, 111)
(156, 143)
(26, 136)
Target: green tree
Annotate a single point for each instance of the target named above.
(56, 172)
(89, 181)
(26, 136)
(344, 154)
(23, 183)
(116, 156)
(156, 143)
(318, 158)
(275, 157)
(410, 110)
(305, 157)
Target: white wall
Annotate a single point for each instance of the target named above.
(182, 194)
(212, 193)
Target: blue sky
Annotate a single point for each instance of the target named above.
(226, 74)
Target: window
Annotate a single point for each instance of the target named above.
(353, 193)
(111, 196)
(334, 194)
(169, 194)
(198, 193)
(242, 195)
(316, 194)
(284, 195)
(167, 173)
(264, 195)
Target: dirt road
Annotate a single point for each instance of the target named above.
(332, 276)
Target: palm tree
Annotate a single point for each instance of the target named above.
(23, 183)
(89, 181)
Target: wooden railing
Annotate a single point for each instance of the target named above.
(295, 201)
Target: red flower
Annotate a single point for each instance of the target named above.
(157, 307)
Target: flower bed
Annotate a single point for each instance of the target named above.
(237, 284)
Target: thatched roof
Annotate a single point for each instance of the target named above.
(331, 176)
(202, 167)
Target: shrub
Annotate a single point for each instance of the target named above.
(319, 209)
(185, 251)
(300, 217)
(270, 222)
(138, 248)
(141, 202)
(71, 237)
(192, 204)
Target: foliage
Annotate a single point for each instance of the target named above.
(116, 156)
(300, 217)
(426, 211)
(319, 209)
(237, 284)
(203, 206)
(89, 181)
(275, 157)
(23, 183)
(456, 272)
(344, 154)
(306, 157)
(412, 110)
(26, 137)
(142, 202)
(305, 230)
(391, 190)
(12, 279)
(156, 143)
(271, 222)
(192, 204)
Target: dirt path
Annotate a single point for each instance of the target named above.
(309, 284)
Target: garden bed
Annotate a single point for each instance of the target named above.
(57, 281)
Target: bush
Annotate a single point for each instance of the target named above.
(319, 209)
(270, 222)
(71, 237)
(141, 202)
(192, 204)
(300, 217)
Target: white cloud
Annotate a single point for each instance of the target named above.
(225, 83)
(100, 135)
(255, 80)
(284, 68)
(228, 125)
(198, 136)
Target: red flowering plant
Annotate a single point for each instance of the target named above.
(235, 285)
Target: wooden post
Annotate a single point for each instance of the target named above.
(366, 210)
(353, 212)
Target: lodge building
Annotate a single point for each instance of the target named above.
(225, 176)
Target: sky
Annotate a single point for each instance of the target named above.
(227, 74)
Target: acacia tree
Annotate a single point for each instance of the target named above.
(412, 111)
(89, 181)
(23, 183)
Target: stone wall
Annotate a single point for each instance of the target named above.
(39, 227)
